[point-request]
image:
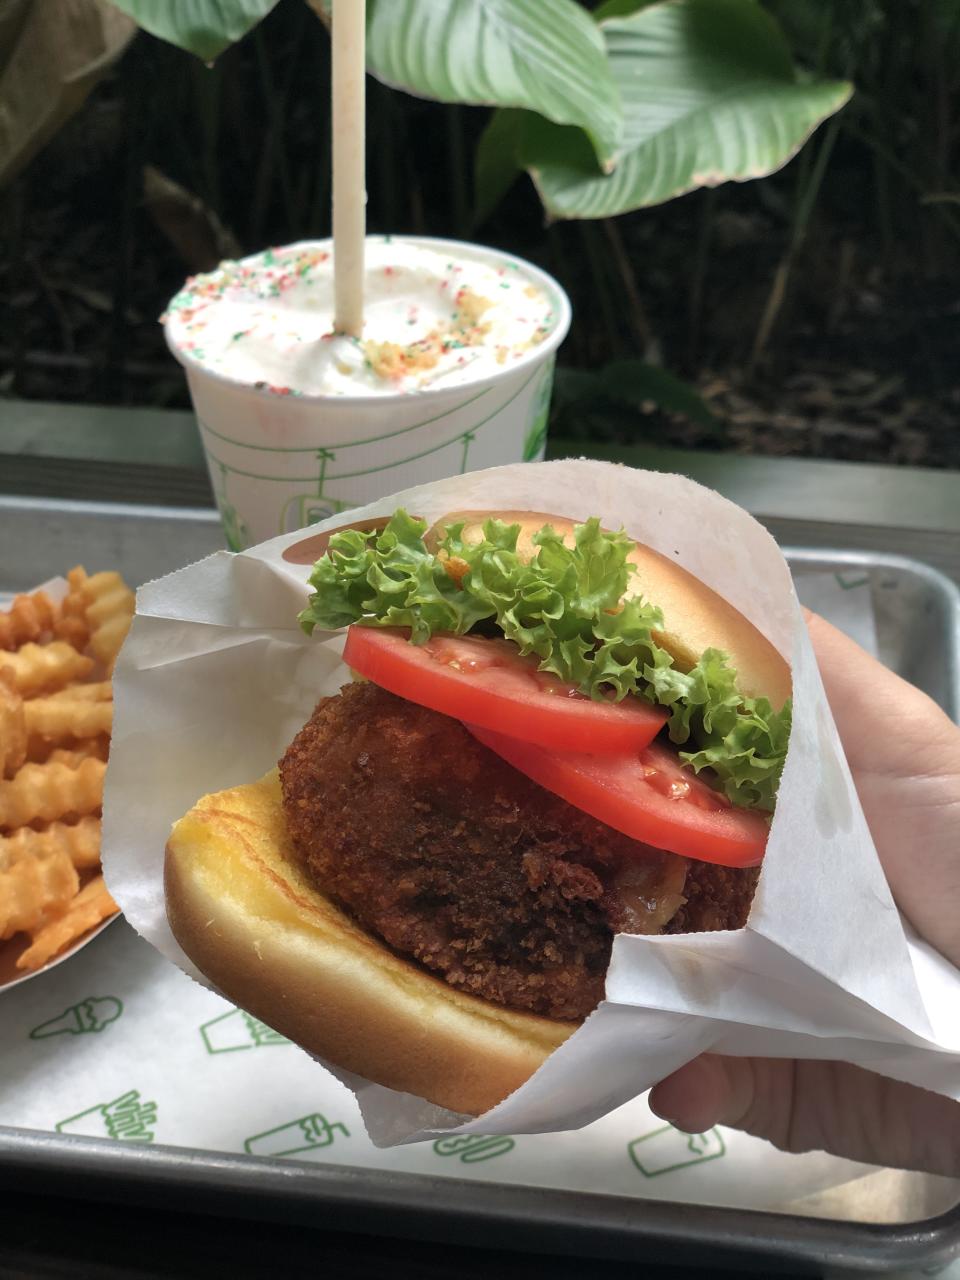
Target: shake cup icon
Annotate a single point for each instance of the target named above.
(125, 1118)
(309, 1133)
(666, 1149)
(92, 1014)
(238, 1029)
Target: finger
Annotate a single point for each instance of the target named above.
(905, 757)
(741, 1093)
(816, 1106)
(868, 701)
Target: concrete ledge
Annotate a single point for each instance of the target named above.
(805, 489)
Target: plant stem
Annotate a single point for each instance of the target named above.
(781, 280)
(908, 175)
(318, 220)
(273, 151)
(598, 271)
(457, 170)
(701, 261)
(206, 84)
(642, 333)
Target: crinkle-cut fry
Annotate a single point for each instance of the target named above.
(80, 841)
(110, 607)
(27, 619)
(72, 624)
(47, 792)
(60, 721)
(13, 727)
(73, 756)
(35, 889)
(71, 752)
(74, 630)
(35, 668)
(96, 691)
(91, 905)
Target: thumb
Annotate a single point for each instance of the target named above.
(713, 1090)
(816, 1106)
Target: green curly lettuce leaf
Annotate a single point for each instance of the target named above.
(564, 607)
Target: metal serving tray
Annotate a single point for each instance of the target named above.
(916, 614)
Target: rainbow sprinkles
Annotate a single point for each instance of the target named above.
(434, 316)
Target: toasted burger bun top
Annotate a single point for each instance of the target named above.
(695, 617)
(245, 915)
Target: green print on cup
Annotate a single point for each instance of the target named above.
(237, 1030)
(125, 1118)
(309, 508)
(535, 440)
(665, 1149)
(319, 482)
(88, 1016)
(309, 1133)
(471, 1148)
(235, 532)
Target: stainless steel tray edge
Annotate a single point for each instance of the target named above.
(449, 1210)
(419, 1206)
(942, 588)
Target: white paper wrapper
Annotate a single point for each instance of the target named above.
(216, 678)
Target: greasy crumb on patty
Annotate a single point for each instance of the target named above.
(452, 857)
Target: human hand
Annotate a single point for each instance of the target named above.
(904, 754)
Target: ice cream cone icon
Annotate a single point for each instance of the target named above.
(238, 1029)
(309, 1133)
(125, 1118)
(92, 1014)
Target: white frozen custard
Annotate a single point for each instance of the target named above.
(432, 318)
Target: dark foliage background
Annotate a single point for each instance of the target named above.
(816, 311)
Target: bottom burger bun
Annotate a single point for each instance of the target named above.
(244, 914)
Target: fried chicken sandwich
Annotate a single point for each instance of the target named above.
(554, 735)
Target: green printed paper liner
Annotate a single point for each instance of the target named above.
(147, 1076)
(216, 679)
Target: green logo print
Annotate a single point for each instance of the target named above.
(665, 1149)
(238, 1029)
(235, 532)
(473, 1147)
(862, 581)
(310, 508)
(92, 1014)
(125, 1118)
(309, 1133)
(536, 437)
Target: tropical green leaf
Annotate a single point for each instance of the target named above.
(203, 27)
(709, 95)
(619, 9)
(496, 163)
(635, 383)
(546, 56)
(948, 15)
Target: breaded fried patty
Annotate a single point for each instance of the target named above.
(454, 858)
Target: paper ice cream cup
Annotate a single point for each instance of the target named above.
(280, 458)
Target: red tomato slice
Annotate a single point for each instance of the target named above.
(646, 794)
(488, 683)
